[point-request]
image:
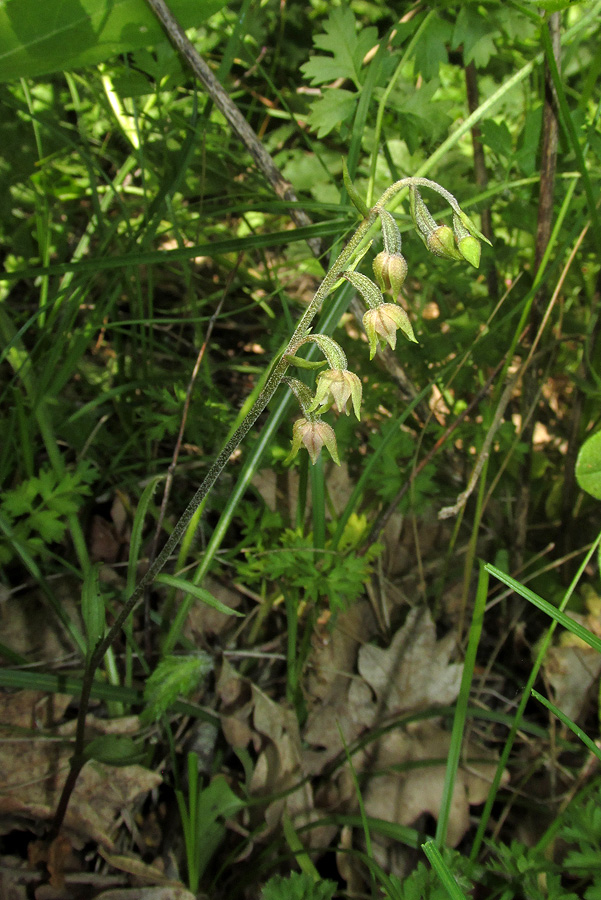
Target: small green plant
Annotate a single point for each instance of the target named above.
(203, 810)
(298, 886)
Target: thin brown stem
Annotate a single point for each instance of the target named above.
(543, 232)
(232, 114)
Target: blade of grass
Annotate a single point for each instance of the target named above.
(576, 729)
(543, 647)
(461, 708)
(443, 871)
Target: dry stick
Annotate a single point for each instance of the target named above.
(176, 450)
(230, 111)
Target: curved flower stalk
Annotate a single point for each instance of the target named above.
(335, 387)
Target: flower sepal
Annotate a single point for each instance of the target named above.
(312, 434)
(336, 387)
(381, 325)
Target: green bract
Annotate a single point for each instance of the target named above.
(313, 434)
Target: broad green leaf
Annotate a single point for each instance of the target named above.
(115, 750)
(335, 107)
(474, 31)
(431, 48)
(588, 466)
(39, 38)
(347, 46)
(497, 136)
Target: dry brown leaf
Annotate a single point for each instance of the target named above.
(278, 767)
(32, 772)
(414, 671)
(402, 797)
(133, 865)
(572, 671)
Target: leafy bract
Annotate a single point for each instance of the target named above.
(39, 38)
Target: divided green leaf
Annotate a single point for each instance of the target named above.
(175, 676)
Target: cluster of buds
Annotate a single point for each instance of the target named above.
(461, 242)
(336, 386)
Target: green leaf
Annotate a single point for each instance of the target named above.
(474, 30)
(92, 607)
(199, 592)
(348, 48)
(331, 110)
(298, 886)
(174, 676)
(115, 750)
(431, 48)
(588, 466)
(39, 38)
(496, 135)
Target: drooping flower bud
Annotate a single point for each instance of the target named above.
(381, 326)
(439, 239)
(336, 387)
(441, 242)
(390, 271)
(313, 434)
(467, 244)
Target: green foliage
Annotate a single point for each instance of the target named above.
(35, 512)
(202, 812)
(115, 750)
(174, 676)
(297, 886)
(38, 39)
(588, 466)
(288, 558)
(129, 206)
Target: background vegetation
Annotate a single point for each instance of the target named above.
(326, 632)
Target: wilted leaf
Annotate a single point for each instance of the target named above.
(415, 670)
(33, 771)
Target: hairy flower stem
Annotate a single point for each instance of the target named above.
(275, 379)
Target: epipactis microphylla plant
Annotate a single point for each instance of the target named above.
(336, 386)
